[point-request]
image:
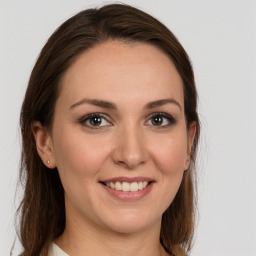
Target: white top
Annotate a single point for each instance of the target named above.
(55, 250)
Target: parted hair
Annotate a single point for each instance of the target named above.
(42, 210)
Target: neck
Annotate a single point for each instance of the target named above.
(82, 239)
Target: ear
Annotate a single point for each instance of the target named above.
(190, 140)
(44, 144)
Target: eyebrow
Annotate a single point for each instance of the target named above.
(162, 102)
(99, 103)
(110, 105)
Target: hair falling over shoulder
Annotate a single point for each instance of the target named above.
(42, 210)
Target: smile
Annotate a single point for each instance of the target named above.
(126, 186)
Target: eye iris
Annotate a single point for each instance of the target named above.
(95, 121)
(157, 120)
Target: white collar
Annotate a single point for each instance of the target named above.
(55, 250)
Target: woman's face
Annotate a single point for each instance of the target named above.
(119, 137)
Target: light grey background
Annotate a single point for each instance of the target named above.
(219, 36)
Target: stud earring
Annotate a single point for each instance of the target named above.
(48, 161)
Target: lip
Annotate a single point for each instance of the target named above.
(128, 196)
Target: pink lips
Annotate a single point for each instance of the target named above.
(128, 195)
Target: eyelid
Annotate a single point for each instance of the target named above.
(171, 120)
(85, 118)
(169, 117)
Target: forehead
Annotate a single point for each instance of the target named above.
(116, 70)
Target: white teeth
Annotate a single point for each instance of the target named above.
(118, 186)
(134, 186)
(127, 187)
(112, 185)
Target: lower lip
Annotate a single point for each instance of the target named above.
(129, 196)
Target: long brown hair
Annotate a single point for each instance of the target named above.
(42, 209)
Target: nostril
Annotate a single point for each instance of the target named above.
(130, 151)
(131, 163)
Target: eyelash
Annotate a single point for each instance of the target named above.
(170, 119)
(84, 119)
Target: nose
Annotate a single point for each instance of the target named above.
(130, 150)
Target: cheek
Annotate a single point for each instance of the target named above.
(170, 155)
(79, 155)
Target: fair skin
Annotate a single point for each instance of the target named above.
(138, 133)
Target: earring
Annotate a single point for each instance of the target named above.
(48, 161)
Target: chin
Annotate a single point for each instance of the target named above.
(132, 223)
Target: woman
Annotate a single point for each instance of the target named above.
(110, 129)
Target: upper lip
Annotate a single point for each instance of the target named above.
(127, 179)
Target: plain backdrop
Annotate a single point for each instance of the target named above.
(219, 37)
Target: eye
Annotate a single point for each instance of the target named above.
(94, 121)
(161, 120)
